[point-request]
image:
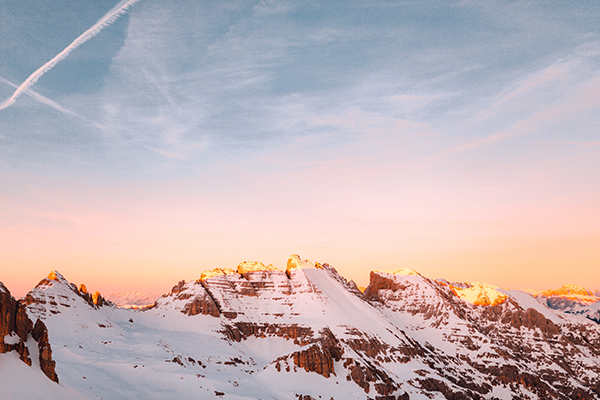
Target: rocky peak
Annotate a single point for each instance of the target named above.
(480, 294)
(216, 272)
(254, 266)
(572, 299)
(295, 262)
(56, 276)
(572, 292)
(407, 337)
(55, 291)
(254, 289)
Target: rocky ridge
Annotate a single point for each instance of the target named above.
(311, 333)
(572, 299)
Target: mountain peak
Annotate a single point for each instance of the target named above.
(254, 266)
(572, 292)
(54, 275)
(403, 271)
(216, 272)
(480, 294)
(55, 291)
(295, 262)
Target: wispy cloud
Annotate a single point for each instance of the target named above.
(558, 95)
(103, 22)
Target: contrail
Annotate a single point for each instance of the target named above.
(110, 17)
(41, 99)
(48, 102)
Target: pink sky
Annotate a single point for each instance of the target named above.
(460, 140)
(532, 226)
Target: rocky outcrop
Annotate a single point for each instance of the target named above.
(93, 299)
(572, 299)
(47, 364)
(238, 331)
(41, 302)
(196, 298)
(405, 335)
(365, 374)
(15, 324)
(379, 282)
(319, 357)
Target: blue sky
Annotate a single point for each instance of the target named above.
(456, 138)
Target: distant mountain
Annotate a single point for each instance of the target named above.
(305, 332)
(132, 299)
(572, 299)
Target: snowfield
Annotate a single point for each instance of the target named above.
(258, 332)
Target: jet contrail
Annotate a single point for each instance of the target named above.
(42, 99)
(106, 20)
(48, 102)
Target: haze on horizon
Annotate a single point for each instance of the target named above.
(459, 139)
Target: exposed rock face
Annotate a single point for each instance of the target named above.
(42, 303)
(195, 298)
(320, 356)
(572, 299)
(406, 336)
(238, 331)
(15, 322)
(482, 325)
(497, 337)
(47, 364)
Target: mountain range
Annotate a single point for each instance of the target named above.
(301, 333)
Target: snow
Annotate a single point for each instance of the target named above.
(480, 294)
(160, 353)
(571, 291)
(526, 301)
(18, 381)
(295, 262)
(12, 338)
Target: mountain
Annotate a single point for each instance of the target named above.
(305, 332)
(572, 299)
(132, 299)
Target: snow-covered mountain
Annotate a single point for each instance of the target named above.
(305, 332)
(132, 299)
(572, 299)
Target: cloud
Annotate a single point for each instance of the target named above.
(103, 22)
(560, 99)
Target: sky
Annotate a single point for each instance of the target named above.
(145, 141)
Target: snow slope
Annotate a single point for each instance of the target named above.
(261, 332)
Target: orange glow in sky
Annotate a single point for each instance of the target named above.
(459, 139)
